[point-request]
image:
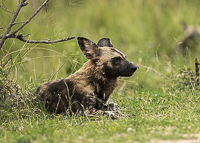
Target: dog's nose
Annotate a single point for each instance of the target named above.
(134, 68)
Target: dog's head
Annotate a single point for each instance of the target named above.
(103, 54)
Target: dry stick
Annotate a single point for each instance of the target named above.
(47, 41)
(20, 5)
(11, 22)
(17, 23)
(14, 36)
(20, 37)
(26, 22)
(197, 71)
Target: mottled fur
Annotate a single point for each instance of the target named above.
(89, 88)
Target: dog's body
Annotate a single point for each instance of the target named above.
(89, 88)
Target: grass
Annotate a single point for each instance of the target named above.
(148, 116)
(159, 103)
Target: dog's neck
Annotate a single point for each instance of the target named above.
(96, 72)
(96, 75)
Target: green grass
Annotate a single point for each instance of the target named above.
(148, 116)
(147, 32)
(155, 107)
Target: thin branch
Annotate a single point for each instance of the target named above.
(14, 36)
(47, 41)
(1, 27)
(11, 22)
(26, 22)
(17, 23)
(20, 36)
(26, 35)
(24, 4)
(6, 62)
(1, 36)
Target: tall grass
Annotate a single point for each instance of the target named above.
(146, 31)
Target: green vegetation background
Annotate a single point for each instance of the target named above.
(147, 31)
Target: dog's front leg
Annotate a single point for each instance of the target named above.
(90, 103)
(92, 111)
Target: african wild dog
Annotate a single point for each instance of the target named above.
(89, 88)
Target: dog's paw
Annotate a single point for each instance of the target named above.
(113, 107)
(111, 114)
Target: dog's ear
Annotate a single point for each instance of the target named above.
(104, 42)
(89, 48)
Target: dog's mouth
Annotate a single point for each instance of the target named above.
(128, 74)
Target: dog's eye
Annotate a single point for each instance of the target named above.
(117, 60)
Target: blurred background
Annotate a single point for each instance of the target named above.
(159, 36)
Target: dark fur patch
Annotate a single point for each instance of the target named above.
(56, 94)
(104, 42)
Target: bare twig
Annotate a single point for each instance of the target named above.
(1, 27)
(197, 71)
(47, 41)
(26, 35)
(20, 37)
(1, 36)
(14, 36)
(6, 62)
(17, 23)
(26, 22)
(11, 22)
(24, 4)
(21, 4)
